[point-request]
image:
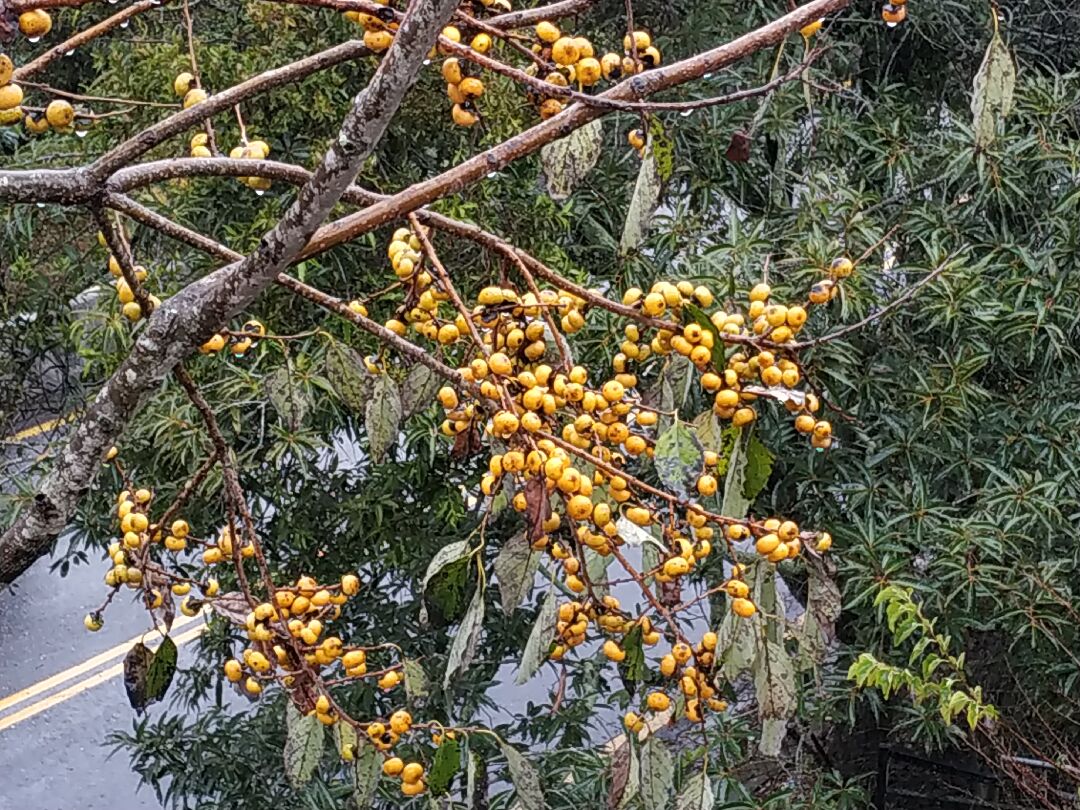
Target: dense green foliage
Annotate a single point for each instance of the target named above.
(955, 473)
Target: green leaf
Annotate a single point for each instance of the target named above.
(286, 397)
(697, 793)
(992, 94)
(345, 371)
(447, 763)
(463, 647)
(657, 774)
(566, 161)
(515, 568)
(701, 319)
(136, 666)
(525, 777)
(366, 771)
(675, 383)
(543, 630)
(633, 666)
(774, 685)
(759, 464)
(596, 566)
(643, 202)
(624, 774)
(677, 459)
(416, 682)
(735, 503)
(304, 740)
(383, 417)
(446, 555)
(419, 390)
(161, 670)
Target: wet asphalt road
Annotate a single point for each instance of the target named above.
(56, 759)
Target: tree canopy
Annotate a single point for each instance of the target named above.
(629, 432)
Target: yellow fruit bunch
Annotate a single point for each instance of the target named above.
(187, 88)
(574, 62)
(378, 28)
(58, 115)
(695, 681)
(239, 343)
(252, 150)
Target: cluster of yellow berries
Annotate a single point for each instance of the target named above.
(894, 12)
(129, 554)
(732, 387)
(462, 89)
(378, 28)
(411, 775)
(124, 294)
(574, 618)
(299, 612)
(252, 150)
(58, 115)
(239, 345)
(576, 63)
(695, 681)
(187, 88)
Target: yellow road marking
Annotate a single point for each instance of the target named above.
(38, 429)
(94, 680)
(85, 666)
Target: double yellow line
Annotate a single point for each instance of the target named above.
(46, 686)
(38, 429)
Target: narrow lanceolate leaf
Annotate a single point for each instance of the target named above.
(678, 459)
(304, 739)
(345, 371)
(536, 648)
(823, 605)
(286, 397)
(443, 557)
(738, 639)
(697, 794)
(774, 685)
(992, 93)
(596, 570)
(383, 417)
(515, 568)
(568, 160)
(657, 774)
(418, 391)
(674, 386)
(367, 768)
(464, 646)
(643, 202)
(447, 763)
(624, 776)
(136, 666)
(525, 777)
(759, 464)
(633, 666)
(161, 670)
(416, 681)
(735, 503)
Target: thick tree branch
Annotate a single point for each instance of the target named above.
(183, 322)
